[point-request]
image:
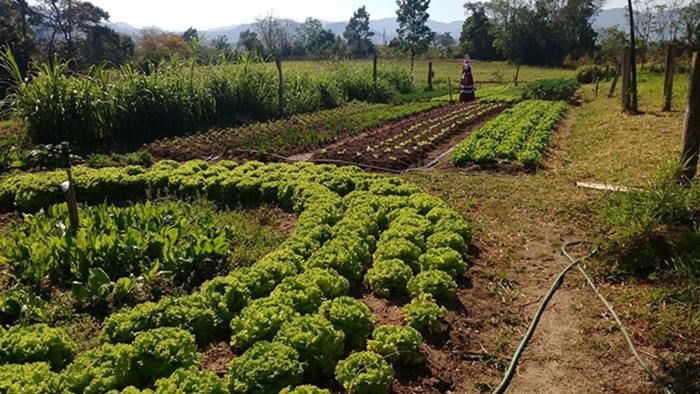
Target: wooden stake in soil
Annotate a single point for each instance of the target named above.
(597, 86)
(278, 63)
(668, 78)
(430, 76)
(449, 88)
(517, 74)
(374, 68)
(68, 188)
(626, 60)
(691, 132)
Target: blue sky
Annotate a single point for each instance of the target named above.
(203, 14)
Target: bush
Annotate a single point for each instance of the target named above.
(34, 378)
(111, 367)
(366, 373)
(39, 342)
(388, 277)
(444, 259)
(305, 389)
(422, 313)
(265, 368)
(435, 282)
(350, 316)
(589, 73)
(319, 344)
(259, 321)
(191, 380)
(552, 89)
(159, 352)
(397, 343)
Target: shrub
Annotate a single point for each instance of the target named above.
(300, 292)
(350, 316)
(435, 282)
(305, 389)
(589, 73)
(34, 378)
(388, 277)
(422, 313)
(191, 380)
(331, 283)
(110, 367)
(552, 89)
(397, 343)
(38, 342)
(265, 368)
(259, 321)
(444, 259)
(319, 344)
(366, 373)
(159, 352)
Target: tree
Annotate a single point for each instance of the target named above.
(157, 46)
(190, 35)
(248, 41)
(612, 44)
(690, 22)
(644, 25)
(358, 34)
(271, 32)
(413, 32)
(104, 44)
(311, 38)
(477, 33)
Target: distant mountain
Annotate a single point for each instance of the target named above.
(384, 29)
(379, 27)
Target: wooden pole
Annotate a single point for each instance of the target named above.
(430, 76)
(632, 87)
(626, 79)
(374, 68)
(613, 85)
(278, 63)
(517, 74)
(71, 200)
(691, 131)
(597, 86)
(449, 88)
(668, 78)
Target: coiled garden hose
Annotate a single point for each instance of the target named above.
(575, 262)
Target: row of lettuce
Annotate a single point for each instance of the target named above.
(518, 134)
(127, 106)
(289, 317)
(543, 89)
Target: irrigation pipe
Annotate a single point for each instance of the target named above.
(575, 262)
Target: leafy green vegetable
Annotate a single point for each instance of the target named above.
(319, 344)
(37, 342)
(397, 343)
(366, 373)
(265, 368)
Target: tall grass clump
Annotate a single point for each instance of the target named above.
(104, 108)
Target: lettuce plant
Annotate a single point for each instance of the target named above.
(397, 343)
(435, 282)
(351, 316)
(388, 277)
(319, 344)
(265, 368)
(366, 373)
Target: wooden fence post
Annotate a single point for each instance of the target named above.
(374, 68)
(626, 60)
(449, 88)
(430, 76)
(597, 86)
(68, 188)
(668, 79)
(278, 63)
(517, 74)
(691, 131)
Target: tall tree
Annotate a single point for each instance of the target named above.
(690, 21)
(248, 41)
(477, 33)
(413, 32)
(310, 38)
(358, 34)
(190, 35)
(644, 25)
(272, 33)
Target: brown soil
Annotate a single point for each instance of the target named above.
(217, 357)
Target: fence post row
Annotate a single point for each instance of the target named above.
(691, 131)
(668, 78)
(626, 60)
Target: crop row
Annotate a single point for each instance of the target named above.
(407, 142)
(501, 93)
(127, 106)
(289, 317)
(520, 133)
(289, 136)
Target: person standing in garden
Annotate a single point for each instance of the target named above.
(466, 86)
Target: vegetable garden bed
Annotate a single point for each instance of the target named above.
(289, 318)
(520, 133)
(408, 142)
(286, 137)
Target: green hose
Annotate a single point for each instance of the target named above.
(557, 282)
